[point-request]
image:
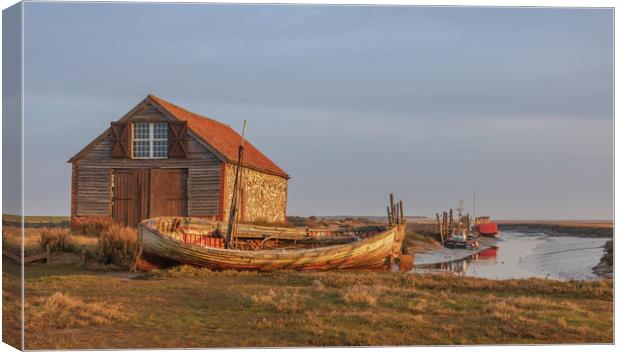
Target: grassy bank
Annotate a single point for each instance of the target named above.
(562, 228)
(70, 307)
(36, 220)
(605, 268)
(421, 238)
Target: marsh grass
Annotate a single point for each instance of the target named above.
(58, 239)
(36, 240)
(289, 300)
(91, 226)
(117, 245)
(420, 237)
(359, 294)
(12, 240)
(11, 305)
(190, 307)
(62, 311)
(188, 271)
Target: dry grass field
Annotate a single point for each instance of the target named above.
(32, 239)
(35, 220)
(68, 306)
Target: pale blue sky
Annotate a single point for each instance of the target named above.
(353, 102)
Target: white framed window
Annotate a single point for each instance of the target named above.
(150, 140)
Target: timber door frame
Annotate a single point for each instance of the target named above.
(141, 200)
(182, 197)
(137, 191)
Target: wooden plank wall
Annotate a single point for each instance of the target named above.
(203, 185)
(93, 191)
(203, 166)
(148, 113)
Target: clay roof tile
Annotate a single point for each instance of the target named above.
(221, 137)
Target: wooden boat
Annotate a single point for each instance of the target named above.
(168, 241)
(459, 239)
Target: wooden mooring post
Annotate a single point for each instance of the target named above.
(439, 227)
(392, 208)
(396, 216)
(395, 212)
(445, 224)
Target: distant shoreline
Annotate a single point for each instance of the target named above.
(566, 223)
(600, 228)
(561, 229)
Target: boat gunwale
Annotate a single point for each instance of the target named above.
(389, 230)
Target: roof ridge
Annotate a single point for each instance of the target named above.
(155, 97)
(225, 141)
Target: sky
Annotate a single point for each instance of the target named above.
(354, 102)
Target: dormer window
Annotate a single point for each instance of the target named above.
(150, 140)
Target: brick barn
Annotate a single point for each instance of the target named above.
(162, 160)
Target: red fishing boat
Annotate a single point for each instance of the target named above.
(485, 227)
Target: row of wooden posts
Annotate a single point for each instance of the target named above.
(445, 224)
(395, 212)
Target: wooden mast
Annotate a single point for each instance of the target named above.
(474, 207)
(233, 202)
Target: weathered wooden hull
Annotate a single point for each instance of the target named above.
(160, 249)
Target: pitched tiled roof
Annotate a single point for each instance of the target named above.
(221, 137)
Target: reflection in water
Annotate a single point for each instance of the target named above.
(529, 255)
(490, 253)
(459, 267)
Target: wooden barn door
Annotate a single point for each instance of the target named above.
(168, 194)
(130, 196)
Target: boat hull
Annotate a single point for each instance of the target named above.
(488, 229)
(159, 250)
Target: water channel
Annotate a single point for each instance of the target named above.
(525, 255)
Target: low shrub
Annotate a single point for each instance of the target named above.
(11, 246)
(91, 226)
(58, 239)
(117, 245)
